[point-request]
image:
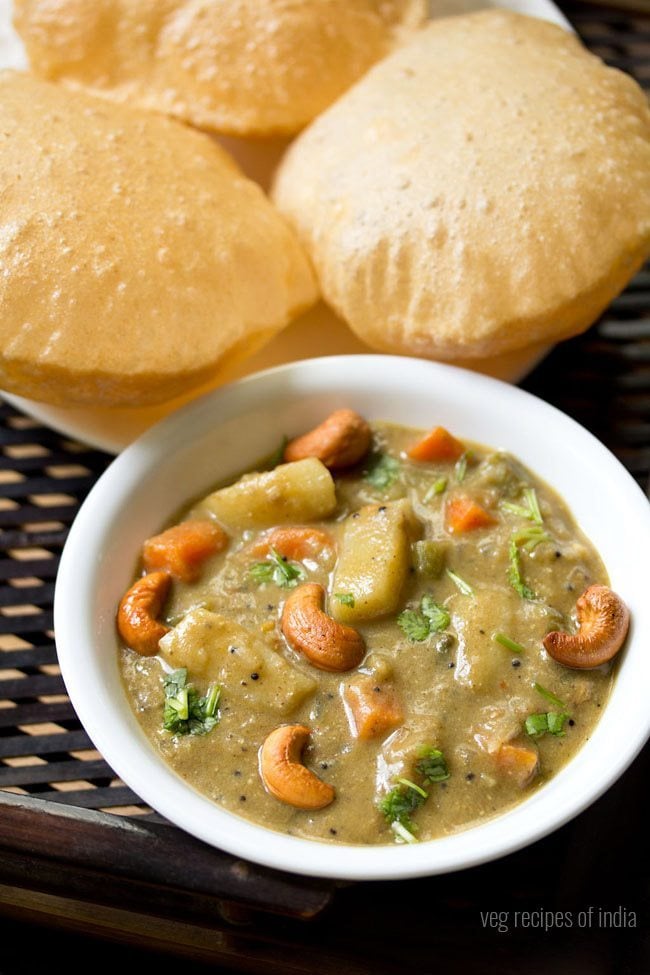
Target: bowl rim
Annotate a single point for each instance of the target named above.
(116, 734)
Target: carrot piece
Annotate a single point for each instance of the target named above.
(375, 708)
(437, 445)
(293, 542)
(183, 549)
(463, 514)
(521, 762)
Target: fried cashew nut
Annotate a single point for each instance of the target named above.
(327, 644)
(603, 620)
(136, 617)
(285, 776)
(340, 441)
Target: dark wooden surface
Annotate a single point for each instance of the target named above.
(598, 862)
(89, 875)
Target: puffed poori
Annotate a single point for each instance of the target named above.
(135, 258)
(484, 188)
(235, 66)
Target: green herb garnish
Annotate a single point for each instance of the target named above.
(531, 536)
(460, 468)
(400, 803)
(418, 624)
(549, 696)
(436, 614)
(406, 796)
(401, 833)
(346, 598)
(553, 722)
(509, 644)
(414, 624)
(514, 573)
(537, 725)
(460, 583)
(277, 569)
(185, 713)
(529, 510)
(438, 487)
(533, 505)
(556, 723)
(412, 785)
(382, 471)
(432, 766)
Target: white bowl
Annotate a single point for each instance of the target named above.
(224, 432)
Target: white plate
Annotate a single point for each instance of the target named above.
(318, 333)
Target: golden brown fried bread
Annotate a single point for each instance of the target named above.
(235, 66)
(134, 256)
(485, 188)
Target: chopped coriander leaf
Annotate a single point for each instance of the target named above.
(382, 471)
(460, 583)
(401, 833)
(212, 700)
(203, 710)
(537, 725)
(262, 572)
(175, 681)
(398, 805)
(509, 644)
(412, 785)
(418, 624)
(556, 723)
(278, 454)
(185, 712)
(530, 510)
(277, 569)
(414, 624)
(524, 591)
(460, 468)
(533, 505)
(514, 509)
(406, 797)
(549, 696)
(177, 704)
(346, 598)
(432, 766)
(514, 573)
(436, 614)
(438, 487)
(531, 536)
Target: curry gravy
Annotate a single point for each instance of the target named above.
(459, 690)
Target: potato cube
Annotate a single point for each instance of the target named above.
(297, 492)
(475, 620)
(218, 649)
(374, 561)
(479, 662)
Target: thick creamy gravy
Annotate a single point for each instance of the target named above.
(458, 689)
